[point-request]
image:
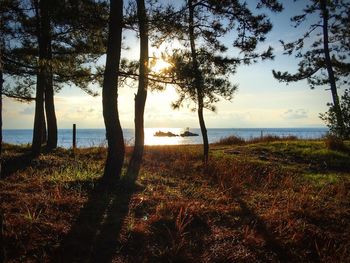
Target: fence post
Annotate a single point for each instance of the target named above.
(74, 136)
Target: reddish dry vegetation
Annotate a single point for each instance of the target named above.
(259, 202)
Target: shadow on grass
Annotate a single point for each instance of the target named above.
(16, 163)
(271, 242)
(94, 235)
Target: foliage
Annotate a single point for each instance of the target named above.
(75, 42)
(312, 65)
(211, 21)
(231, 140)
(333, 142)
(215, 71)
(330, 118)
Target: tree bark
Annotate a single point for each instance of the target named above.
(114, 133)
(335, 97)
(43, 25)
(50, 109)
(44, 133)
(1, 88)
(198, 82)
(141, 96)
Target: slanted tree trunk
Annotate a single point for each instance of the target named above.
(43, 29)
(50, 109)
(335, 97)
(140, 98)
(114, 133)
(198, 82)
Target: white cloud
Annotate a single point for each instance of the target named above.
(27, 111)
(295, 114)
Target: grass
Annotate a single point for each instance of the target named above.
(262, 201)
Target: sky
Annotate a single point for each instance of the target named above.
(260, 102)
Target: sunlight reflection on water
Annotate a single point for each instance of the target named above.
(97, 137)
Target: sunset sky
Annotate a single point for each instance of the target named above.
(261, 101)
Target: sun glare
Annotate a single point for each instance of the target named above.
(159, 65)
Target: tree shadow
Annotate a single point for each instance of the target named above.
(16, 163)
(94, 236)
(260, 226)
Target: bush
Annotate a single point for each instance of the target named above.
(231, 140)
(330, 117)
(272, 138)
(334, 143)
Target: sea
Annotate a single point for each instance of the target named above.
(97, 137)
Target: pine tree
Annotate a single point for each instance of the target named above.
(325, 60)
(140, 98)
(72, 43)
(201, 69)
(114, 133)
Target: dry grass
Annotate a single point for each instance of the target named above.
(236, 140)
(280, 201)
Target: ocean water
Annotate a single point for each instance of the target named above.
(96, 137)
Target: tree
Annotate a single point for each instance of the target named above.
(43, 37)
(200, 26)
(1, 84)
(330, 117)
(325, 61)
(73, 43)
(114, 133)
(140, 98)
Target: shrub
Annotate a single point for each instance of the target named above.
(272, 138)
(231, 140)
(334, 143)
(330, 117)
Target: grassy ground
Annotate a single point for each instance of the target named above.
(267, 201)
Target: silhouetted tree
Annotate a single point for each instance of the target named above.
(325, 60)
(73, 43)
(1, 83)
(114, 133)
(140, 98)
(43, 37)
(200, 26)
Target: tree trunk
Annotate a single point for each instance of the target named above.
(43, 27)
(198, 82)
(50, 109)
(1, 86)
(114, 133)
(338, 112)
(44, 134)
(140, 98)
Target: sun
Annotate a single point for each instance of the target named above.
(159, 65)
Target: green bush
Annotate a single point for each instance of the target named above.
(330, 118)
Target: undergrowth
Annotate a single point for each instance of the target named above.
(263, 201)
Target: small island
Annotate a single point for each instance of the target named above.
(186, 133)
(165, 134)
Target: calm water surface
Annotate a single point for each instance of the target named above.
(96, 137)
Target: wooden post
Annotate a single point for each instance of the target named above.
(261, 134)
(74, 136)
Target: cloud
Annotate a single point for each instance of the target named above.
(295, 114)
(27, 111)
